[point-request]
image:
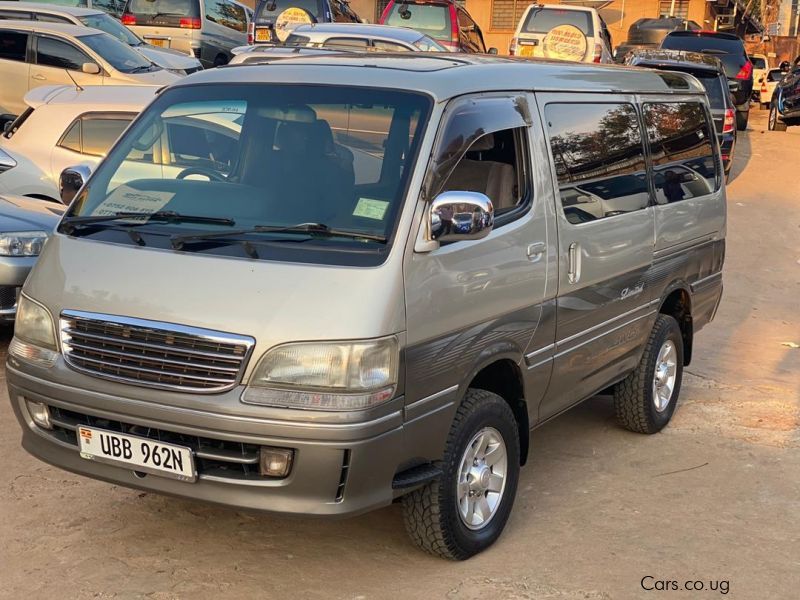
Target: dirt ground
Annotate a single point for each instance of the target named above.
(601, 513)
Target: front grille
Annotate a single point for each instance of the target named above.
(8, 296)
(218, 458)
(153, 354)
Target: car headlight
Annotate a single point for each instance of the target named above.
(34, 336)
(22, 243)
(326, 375)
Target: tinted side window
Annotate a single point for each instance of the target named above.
(226, 14)
(100, 134)
(71, 140)
(55, 53)
(349, 43)
(382, 46)
(599, 158)
(682, 149)
(13, 45)
(16, 15)
(52, 19)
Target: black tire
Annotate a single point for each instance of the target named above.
(773, 122)
(431, 513)
(741, 120)
(634, 400)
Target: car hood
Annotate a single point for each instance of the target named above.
(27, 214)
(168, 58)
(161, 77)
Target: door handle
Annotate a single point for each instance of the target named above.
(38, 77)
(535, 251)
(574, 271)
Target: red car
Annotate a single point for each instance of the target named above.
(443, 20)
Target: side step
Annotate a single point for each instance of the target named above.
(416, 476)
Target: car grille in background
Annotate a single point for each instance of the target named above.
(153, 354)
(213, 458)
(8, 296)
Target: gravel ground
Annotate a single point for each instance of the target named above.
(713, 499)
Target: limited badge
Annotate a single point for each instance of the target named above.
(565, 42)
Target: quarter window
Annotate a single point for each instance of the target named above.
(93, 136)
(383, 46)
(684, 164)
(599, 158)
(13, 45)
(226, 14)
(349, 43)
(55, 53)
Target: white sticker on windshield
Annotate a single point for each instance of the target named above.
(370, 208)
(127, 199)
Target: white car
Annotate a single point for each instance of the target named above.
(172, 60)
(34, 53)
(760, 67)
(63, 127)
(559, 32)
(768, 84)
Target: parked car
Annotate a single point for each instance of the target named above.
(112, 7)
(34, 53)
(784, 108)
(64, 126)
(647, 34)
(445, 21)
(760, 64)
(204, 29)
(165, 58)
(263, 53)
(730, 50)
(358, 37)
(24, 227)
(768, 84)
(373, 352)
(710, 72)
(275, 19)
(559, 32)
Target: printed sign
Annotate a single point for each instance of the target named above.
(127, 199)
(371, 209)
(565, 42)
(289, 19)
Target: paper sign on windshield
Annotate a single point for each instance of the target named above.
(371, 209)
(128, 199)
(565, 42)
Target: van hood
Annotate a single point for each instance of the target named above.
(27, 214)
(272, 302)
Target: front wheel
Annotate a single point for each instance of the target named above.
(466, 509)
(645, 400)
(773, 122)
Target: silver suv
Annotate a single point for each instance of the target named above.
(370, 278)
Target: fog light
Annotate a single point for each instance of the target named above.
(275, 462)
(40, 413)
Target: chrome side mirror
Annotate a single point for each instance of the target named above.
(456, 216)
(90, 68)
(71, 181)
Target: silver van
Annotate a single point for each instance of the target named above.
(205, 29)
(374, 284)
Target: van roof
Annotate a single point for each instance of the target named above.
(39, 7)
(97, 97)
(445, 76)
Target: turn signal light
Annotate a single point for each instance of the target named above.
(598, 53)
(128, 19)
(190, 23)
(251, 33)
(730, 121)
(512, 47)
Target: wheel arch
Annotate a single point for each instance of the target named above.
(677, 303)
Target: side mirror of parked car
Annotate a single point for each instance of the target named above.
(456, 216)
(492, 51)
(71, 181)
(90, 68)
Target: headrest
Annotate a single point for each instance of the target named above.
(483, 143)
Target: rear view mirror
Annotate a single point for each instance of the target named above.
(71, 181)
(90, 68)
(456, 216)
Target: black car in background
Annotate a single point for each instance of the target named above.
(273, 19)
(730, 50)
(784, 109)
(709, 71)
(647, 34)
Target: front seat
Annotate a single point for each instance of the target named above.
(474, 174)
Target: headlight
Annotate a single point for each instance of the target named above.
(34, 339)
(22, 243)
(326, 375)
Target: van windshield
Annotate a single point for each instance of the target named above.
(241, 159)
(111, 26)
(431, 19)
(542, 20)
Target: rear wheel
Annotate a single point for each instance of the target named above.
(741, 120)
(466, 509)
(645, 400)
(773, 122)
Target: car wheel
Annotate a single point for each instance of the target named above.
(741, 120)
(645, 400)
(773, 122)
(466, 509)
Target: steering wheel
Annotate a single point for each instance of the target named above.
(210, 173)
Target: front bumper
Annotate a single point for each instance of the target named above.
(339, 469)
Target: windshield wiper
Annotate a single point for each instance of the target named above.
(70, 223)
(141, 68)
(313, 229)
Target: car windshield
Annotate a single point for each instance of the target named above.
(118, 55)
(729, 51)
(758, 62)
(272, 8)
(431, 19)
(714, 90)
(775, 75)
(265, 157)
(542, 20)
(111, 26)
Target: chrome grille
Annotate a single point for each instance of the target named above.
(152, 353)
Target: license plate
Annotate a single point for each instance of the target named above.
(160, 42)
(139, 454)
(263, 35)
